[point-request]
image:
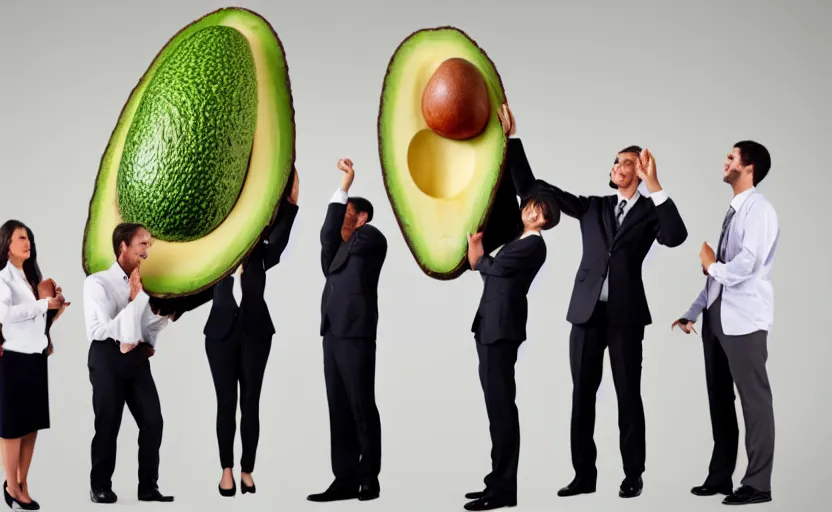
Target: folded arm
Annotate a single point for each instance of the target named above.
(758, 242)
(11, 313)
(125, 327)
(278, 238)
(526, 184)
(527, 253)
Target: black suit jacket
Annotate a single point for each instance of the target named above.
(349, 303)
(253, 311)
(620, 252)
(503, 310)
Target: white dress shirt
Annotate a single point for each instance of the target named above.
(339, 196)
(109, 312)
(657, 197)
(236, 287)
(745, 278)
(22, 315)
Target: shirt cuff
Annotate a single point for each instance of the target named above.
(339, 196)
(658, 197)
(43, 304)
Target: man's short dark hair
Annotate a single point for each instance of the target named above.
(124, 232)
(362, 205)
(629, 149)
(548, 206)
(754, 153)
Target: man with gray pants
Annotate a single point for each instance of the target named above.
(738, 304)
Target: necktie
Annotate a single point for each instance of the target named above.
(723, 236)
(620, 213)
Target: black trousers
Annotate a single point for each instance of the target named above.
(354, 422)
(496, 370)
(119, 379)
(587, 344)
(238, 359)
(739, 360)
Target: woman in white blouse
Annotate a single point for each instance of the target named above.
(24, 385)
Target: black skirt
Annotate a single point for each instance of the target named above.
(24, 394)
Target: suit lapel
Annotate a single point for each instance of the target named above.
(341, 255)
(633, 217)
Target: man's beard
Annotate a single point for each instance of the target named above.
(732, 176)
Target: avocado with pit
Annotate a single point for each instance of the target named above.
(201, 155)
(442, 149)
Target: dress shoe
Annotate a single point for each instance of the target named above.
(368, 492)
(476, 494)
(490, 502)
(336, 492)
(578, 486)
(103, 496)
(246, 488)
(232, 491)
(711, 490)
(631, 488)
(746, 495)
(154, 495)
(16, 504)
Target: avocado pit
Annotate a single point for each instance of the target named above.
(455, 102)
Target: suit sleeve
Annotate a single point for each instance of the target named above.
(523, 256)
(181, 305)
(278, 238)
(672, 230)
(368, 241)
(526, 184)
(331, 230)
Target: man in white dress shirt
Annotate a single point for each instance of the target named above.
(122, 331)
(738, 304)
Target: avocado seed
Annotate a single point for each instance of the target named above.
(455, 102)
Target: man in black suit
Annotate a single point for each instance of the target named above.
(609, 307)
(352, 255)
(238, 339)
(499, 329)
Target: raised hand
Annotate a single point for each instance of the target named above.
(293, 194)
(507, 120)
(345, 165)
(475, 248)
(646, 170)
(135, 283)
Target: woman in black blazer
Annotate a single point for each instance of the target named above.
(28, 305)
(238, 337)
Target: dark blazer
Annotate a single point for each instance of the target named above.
(503, 310)
(253, 311)
(349, 303)
(622, 252)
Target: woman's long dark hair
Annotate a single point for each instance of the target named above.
(30, 266)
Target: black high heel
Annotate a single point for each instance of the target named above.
(228, 492)
(11, 501)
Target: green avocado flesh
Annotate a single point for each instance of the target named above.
(440, 189)
(201, 154)
(186, 155)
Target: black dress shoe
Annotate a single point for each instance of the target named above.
(368, 492)
(711, 490)
(154, 495)
(746, 495)
(16, 504)
(246, 488)
(476, 494)
(490, 502)
(103, 496)
(335, 492)
(578, 486)
(630, 488)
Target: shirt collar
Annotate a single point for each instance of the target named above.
(630, 201)
(116, 269)
(738, 200)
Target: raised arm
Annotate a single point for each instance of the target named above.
(672, 231)
(277, 237)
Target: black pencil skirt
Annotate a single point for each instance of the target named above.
(24, 394)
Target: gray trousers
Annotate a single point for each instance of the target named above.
(739, 360)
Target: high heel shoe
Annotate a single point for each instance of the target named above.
(14, 503)
(228, 492)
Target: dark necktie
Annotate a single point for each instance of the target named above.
(723, 236)
(620, 213)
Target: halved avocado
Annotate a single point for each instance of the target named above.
(440, 189)
(201, 154)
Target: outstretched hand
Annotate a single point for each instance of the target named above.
(475, 249)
